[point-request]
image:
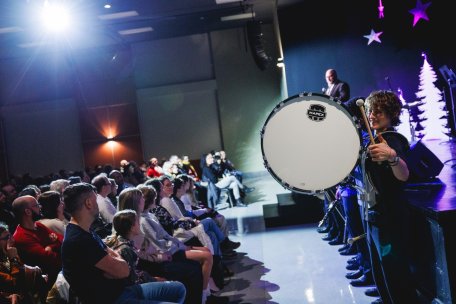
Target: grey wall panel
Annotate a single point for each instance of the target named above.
(179, 119)
(171, 61)
(42, 137)
(246, 95)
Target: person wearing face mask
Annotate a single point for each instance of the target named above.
(37, 245)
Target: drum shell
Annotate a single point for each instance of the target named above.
(310, 142)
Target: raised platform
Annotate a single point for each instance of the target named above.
(293, 209)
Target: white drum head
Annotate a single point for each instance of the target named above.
(310, 143)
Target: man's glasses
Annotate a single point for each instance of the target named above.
(6, 237)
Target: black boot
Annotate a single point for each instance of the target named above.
(229, 245)
(217, 271)
(234, 245)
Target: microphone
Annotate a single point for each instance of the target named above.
(387, 79)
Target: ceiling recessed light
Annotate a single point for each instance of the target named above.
(118, 15)
(238, 17)
(136, 30)
(10, 29)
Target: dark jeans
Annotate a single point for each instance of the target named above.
(390, 267)
(180, 269)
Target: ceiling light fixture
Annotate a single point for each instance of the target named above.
(119, 15)
(238, 17)
(226, 1)
(136, 30)
(10, 29)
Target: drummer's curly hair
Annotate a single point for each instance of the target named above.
(387, 102)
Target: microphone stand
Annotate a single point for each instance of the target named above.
(450, 87)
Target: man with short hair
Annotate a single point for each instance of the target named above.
(118, 177)
(37, 244)
(95, 272)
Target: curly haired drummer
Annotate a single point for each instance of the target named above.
(387, 169)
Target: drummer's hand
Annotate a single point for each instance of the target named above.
(381, 152)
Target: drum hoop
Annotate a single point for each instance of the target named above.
(281, 105)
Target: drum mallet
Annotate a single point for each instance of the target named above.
(350, 241)
(360, 104)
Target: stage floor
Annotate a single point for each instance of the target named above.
(291, 264)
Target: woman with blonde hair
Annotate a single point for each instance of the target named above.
(165, 244)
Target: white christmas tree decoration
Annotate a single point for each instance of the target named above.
(434, 115)
(406, 126)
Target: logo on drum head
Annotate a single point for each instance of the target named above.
(316, 112)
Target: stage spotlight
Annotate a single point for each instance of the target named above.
(55, 17)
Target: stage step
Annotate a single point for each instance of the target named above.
(293, 209)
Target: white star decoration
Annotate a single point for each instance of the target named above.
(373, 36)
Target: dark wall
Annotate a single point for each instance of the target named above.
(318, 35)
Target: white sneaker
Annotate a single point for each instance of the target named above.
(221, 206)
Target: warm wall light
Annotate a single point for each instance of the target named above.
(111, 143)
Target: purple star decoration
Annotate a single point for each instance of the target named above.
(419, 12)
(373, 36)
(380, 9)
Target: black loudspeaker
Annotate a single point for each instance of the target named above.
(423, 163)
(256, 42)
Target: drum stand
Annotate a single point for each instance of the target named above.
(330, 196)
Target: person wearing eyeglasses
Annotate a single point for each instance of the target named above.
(387, 170)
(36, 244)
(19, 283)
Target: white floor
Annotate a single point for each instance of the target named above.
(290, 264)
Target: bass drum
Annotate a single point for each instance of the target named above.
(310, 143)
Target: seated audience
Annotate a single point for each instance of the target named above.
(59, 185)
(230, 182)
(6, 213)
(52, 207)
(126, 226)
(105, 206)
(154, 169)
(228, 166)
(167, 245)
(19, 283)
(188, 168)
(37, 244)
(113, 194)
(96, 273)
(121, 184)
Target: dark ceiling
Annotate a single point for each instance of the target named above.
(21, 31)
